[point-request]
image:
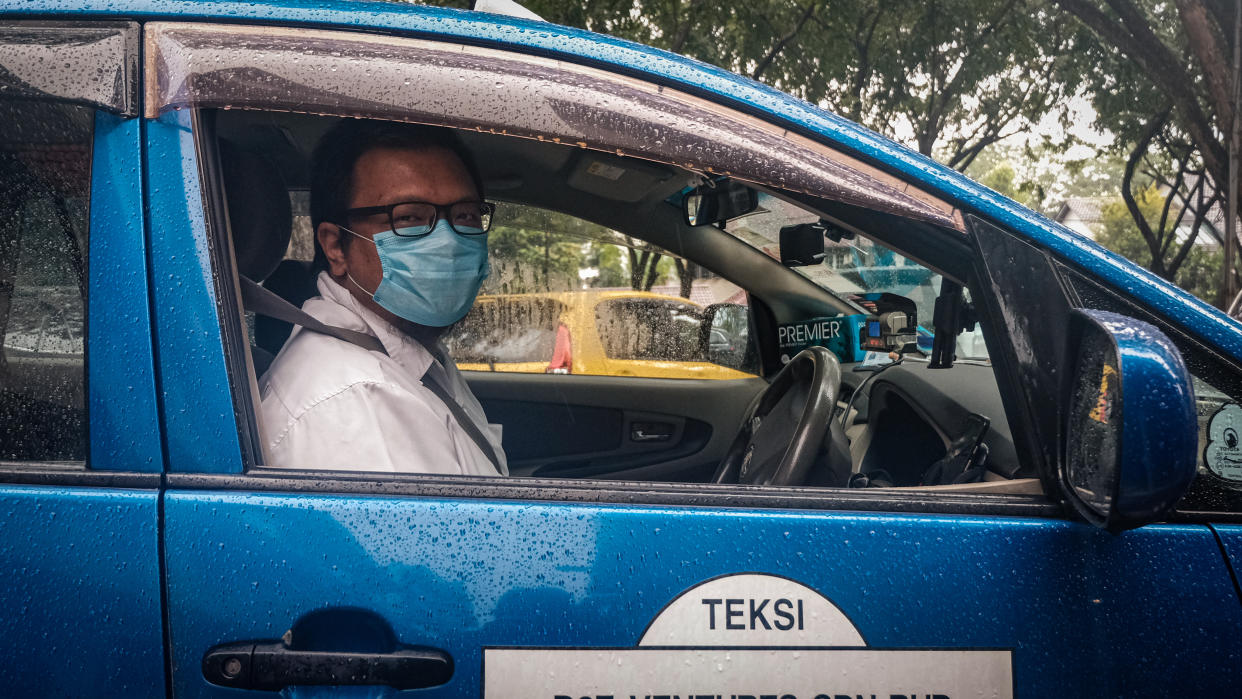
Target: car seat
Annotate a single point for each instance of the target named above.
(261, 220)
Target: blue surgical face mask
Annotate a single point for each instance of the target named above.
(431, 280)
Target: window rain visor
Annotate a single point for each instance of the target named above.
(364, 75)
(94, 64)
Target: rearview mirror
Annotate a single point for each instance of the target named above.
(709, 205)
(1131, 436)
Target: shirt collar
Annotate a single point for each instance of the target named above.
(407, 352)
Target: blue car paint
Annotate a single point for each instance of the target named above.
(463, 574)
(81, 596)
(200, 428)
(1086, 612)
(1158, 423)
(1230, 536)
(1178, 307)
(124, 418)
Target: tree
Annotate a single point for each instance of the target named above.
(608, 261)
(1168, 85)
(1176, 172)
(1184, 51)
(1042, 176)
(1197, 269)
(536, 250)
(648, 267)
(974, 73)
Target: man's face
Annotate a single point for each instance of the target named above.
(384, 176)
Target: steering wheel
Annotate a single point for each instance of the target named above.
(784, 432)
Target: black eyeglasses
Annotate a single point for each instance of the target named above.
(415, 219)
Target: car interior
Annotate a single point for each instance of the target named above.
(44, 180)
(846, 424)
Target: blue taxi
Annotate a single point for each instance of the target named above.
(964, 452)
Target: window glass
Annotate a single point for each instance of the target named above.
(567, 296)
(1218, 482)
(1220, 434)
(516, 330)
(649, 329)
(853, 267)
(44, 186)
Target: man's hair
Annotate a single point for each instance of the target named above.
(332, 164)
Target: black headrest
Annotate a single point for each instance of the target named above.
(259, 211)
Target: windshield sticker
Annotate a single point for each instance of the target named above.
(1223, 455)
(839, 334)
(748, 635)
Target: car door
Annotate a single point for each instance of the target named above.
(279, 578)
(80, 456)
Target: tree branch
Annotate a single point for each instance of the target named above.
(1132, 163)
(683, 28)
(783, 41)
(1137, 41)
(1211, 51)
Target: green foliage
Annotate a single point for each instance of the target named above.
(973, 72)
(610, 261)
(531, 260)
(1117, 230)
(535, 250)
(1042, 176)
(1199, 273)
(665, 270)
(531, 252)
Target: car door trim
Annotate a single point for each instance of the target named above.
(619, 492)
(27, 473)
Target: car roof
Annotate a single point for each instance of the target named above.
(542, 38)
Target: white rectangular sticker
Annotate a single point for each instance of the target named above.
(721, 673)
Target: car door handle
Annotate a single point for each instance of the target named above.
(273, 666)
(651, 432)
(334, 646)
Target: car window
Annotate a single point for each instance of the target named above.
(854, 266)
(44, 188)
(564, 297)
(516, 330)
(568, 296)
(649, 329)
(595, 272)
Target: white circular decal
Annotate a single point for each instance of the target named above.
(751, 609)
(1223, 455)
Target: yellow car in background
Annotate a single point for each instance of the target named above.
(599, 332)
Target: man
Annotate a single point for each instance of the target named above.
(401, 239)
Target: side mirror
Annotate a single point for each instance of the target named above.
(1131, 436)
(725, 334)
(707, 206)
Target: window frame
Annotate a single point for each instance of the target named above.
(258, 478)
(120, 405)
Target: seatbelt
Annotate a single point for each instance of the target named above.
(265, 302)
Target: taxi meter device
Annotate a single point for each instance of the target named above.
(891, 326)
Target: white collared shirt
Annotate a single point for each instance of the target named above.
(330, 404)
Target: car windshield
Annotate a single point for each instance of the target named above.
(852, 266)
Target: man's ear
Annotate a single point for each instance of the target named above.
(329, 237)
